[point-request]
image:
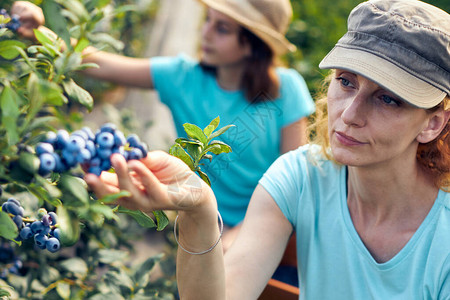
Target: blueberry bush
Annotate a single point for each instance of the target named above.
(57, 240)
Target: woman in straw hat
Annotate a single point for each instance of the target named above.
(368, 198)
(235, 79)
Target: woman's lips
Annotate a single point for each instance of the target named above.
(347, 140)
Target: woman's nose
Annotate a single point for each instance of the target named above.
(356, 110)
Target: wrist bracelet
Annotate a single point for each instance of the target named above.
(203, 252)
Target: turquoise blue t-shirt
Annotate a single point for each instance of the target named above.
(195, 97)
(333, 262)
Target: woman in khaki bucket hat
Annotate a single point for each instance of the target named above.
(368, 198)
(235, 79)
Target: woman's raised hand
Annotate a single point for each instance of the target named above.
(31, 17)
(159, 181)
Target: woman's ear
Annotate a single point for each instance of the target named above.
(436, 123)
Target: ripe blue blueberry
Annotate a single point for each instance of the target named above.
(50, 137)
(26, 233)
(15, 201)
(48, 163)
(119, 139)
(62, 136)
(53, 218)
(133, 140)
(44, 148)
(40, 240)
(56, 233)
(75, 143)
(52, 244)
(13, 208)
(104, 153)
(89, 133)
(108, 127)
(18, 221)
(105, 140)
(37, 227)
(135, 153)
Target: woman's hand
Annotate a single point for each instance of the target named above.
(158, 182)
(31, 17)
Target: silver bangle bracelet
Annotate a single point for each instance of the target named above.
(203, 252)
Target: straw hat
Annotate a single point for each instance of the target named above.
(402, 45)
(267, 19)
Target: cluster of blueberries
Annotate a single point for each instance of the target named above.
(62, 151)
(12, 264)
(45, 233)
(14, 22)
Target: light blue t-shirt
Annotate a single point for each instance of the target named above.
(195, 97)
(333, 262)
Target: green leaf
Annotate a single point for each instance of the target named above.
(69, 225)
(56, 21)
(104, 210)
(112, 198)
(193, 131)
(118, 279)
(75, 265)
(43, 38)
(8, 48)
(184, 142)
(140, 276)
(204, 177)
(211, 127)
(29, 162)
(161, 219)
(63, 289)
(78, 94)
(8, 228)
(142, 218)
(75, 186)
(107, 296)
(217, 147)
(4, 293)
(81, 44)
(220, 131)
(178, 151)
(9, 104)
(109, 256)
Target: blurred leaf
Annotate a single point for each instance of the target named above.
(75, 186)
(108, 296)
(4, 293)
(56, 21)
(29, 162)
(143, 219)
(75, 265)
(8, 228)
(109, 256)
(111, 198)
(10, 112)
(118, 279)
(43, 38)
(8, 48)
(78, 94)
(69, 225)
(141, 275)
(63, 289)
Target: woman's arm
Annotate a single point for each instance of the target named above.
(132, 72)
(161, 181)
(258, 249)
(294, 135)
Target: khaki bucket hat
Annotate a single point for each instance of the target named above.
(267, 19)
(402, 45)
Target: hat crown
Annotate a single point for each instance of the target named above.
(277, 12)
(412, 34)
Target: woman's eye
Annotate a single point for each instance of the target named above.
(390, 100)
(344, 82)
(221, 29)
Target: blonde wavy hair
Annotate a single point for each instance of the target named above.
(433, 156)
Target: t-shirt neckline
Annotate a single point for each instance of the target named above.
(403, 253)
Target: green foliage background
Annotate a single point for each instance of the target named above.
(317, 25)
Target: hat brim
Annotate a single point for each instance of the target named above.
(386, 74)
(277, 42)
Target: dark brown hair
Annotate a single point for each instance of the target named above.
(259, 81)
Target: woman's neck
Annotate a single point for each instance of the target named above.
(229, 77)
(390, 194)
